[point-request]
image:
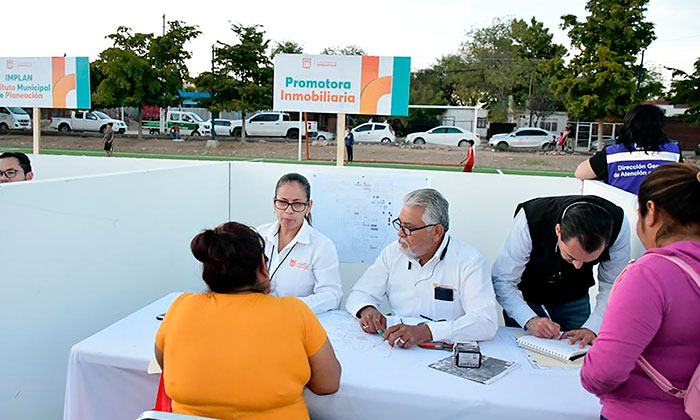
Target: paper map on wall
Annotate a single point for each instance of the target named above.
(355, 211)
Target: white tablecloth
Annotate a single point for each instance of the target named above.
(108, 380)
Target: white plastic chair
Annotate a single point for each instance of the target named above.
(161, 415)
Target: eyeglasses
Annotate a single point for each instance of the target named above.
(297, 206)
(408, 230)
(9, 174)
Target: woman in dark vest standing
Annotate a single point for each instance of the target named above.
(641, 147)
(543, 273)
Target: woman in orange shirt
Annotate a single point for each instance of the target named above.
(235, 351)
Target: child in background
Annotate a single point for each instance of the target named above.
(468, 160)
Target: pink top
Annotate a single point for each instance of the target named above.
(655, 312)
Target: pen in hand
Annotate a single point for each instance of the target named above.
(546, 314)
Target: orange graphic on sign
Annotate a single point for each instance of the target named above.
(373, 87)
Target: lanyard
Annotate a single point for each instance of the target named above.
(281, 261)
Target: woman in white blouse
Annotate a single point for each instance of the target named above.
(302, 261)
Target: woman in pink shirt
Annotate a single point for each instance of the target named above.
(654, 310)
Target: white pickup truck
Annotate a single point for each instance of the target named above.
(87, 121)
(270, 124)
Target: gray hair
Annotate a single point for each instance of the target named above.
(436, 207)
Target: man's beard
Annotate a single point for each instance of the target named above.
(406, 249)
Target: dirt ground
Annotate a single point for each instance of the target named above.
(280, 149)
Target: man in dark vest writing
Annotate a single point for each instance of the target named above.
(542, 275)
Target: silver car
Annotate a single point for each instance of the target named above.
(524, 138)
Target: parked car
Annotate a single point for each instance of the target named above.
(594, 144)
(221, 126)
(524, 138)
(374, 132)
(87, 121)
(14, 118)
(325, 135)
(445, 135)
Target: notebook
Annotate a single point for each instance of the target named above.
(552, 347)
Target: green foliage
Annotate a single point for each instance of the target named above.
(686, 90)
(425, 90)
(652, 85)
(142, 69)
(243, 73)
(286, 47)
(600, 81)
(348, 50)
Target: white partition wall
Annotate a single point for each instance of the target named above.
(53, 166)
(481, 205)
(80, 254)
(94, 239)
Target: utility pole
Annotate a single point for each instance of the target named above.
(212, 142)
(161, 114)
(640, 76)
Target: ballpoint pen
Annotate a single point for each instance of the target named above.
(549, 317)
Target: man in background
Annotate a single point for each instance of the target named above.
(15, 167)
(108, 138)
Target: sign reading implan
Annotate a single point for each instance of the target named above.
(45, 82)
(342, 84)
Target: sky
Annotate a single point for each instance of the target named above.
(425, 30)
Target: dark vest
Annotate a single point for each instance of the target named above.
(548, 278)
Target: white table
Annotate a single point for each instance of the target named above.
(108, 380)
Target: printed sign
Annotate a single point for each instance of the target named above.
(342, 84)
(45, 82)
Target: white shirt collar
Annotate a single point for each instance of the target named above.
(436, 256)
(303, 236)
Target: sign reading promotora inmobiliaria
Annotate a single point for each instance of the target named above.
(45, 82)
(342, 84)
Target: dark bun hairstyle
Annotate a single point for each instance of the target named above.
(231, 255)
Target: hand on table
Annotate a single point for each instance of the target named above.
(584, 334)
(543, 327)
(371, 320)
(405, 336)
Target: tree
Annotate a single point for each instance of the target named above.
(286, 47)
(599, 82)
(533, 44)
(501, 65)
(425, 90)
(652, 85)
(348, 50)
(686, 90)
(141, 69)
(243, 74)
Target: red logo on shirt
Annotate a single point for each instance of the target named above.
(298, 264)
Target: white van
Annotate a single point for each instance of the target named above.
(14, 118)
(189, 123)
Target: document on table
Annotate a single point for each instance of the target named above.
(491, 369)
(345, 333)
